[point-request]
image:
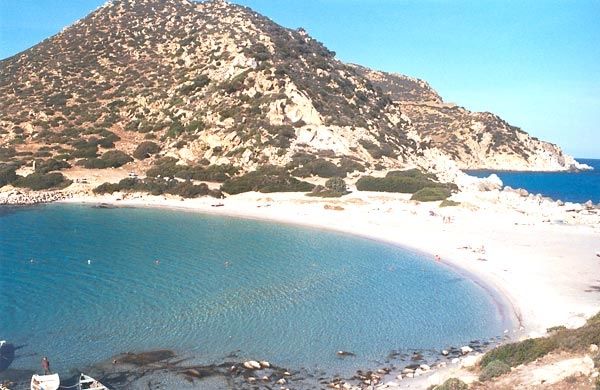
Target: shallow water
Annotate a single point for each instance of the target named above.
(290, 295)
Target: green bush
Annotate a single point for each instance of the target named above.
(110, 159)
(348, 165)
(90, 151)
(429, 194)
(266, 179)
(157, 187)
(494, 369)
(319, 167)
(40, 181)
(145, 150)
(520, 353)
(7, 174)
(407, 182)
(216, 173)
(45, 166)
(165, 167)
(334, 188)
(7, 153)
(336, 184)
(452, 384)
(449, 203)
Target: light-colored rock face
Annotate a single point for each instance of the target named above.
(474, 140)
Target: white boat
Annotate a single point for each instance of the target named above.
(45, 382)
(87, 382)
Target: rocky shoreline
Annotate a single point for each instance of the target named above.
(26, 198)
(165, 368)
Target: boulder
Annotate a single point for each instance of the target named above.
(470, 361)
(466, 350)
(252, 365)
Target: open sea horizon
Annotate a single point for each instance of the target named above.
(578, 187)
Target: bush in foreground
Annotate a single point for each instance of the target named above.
(520, 353)
(494, 369)
(452, 384)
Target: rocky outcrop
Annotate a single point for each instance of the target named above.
(474, 140)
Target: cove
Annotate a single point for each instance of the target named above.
(208, 286)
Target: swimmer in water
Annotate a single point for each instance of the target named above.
(157, 262)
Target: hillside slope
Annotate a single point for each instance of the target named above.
(217, 84)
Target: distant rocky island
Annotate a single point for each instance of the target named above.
(148, 85)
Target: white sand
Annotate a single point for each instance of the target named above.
(542, 267)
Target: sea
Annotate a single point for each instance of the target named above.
(578, 187)
(81, 284)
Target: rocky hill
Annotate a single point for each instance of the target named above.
(213, 84)
(475, 140)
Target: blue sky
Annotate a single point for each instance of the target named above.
(534, 63)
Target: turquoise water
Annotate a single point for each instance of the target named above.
(567, 186)
(290, 295)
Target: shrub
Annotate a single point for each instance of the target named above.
(520, 353)
(336, 184)
(88, 151)
(40, 181)
(7, 174)
(107, 188)
(216, 173)
(452, 384)
(145, 150)
(110, 159)
(407, 182)
(494, 369)
(431, 194)
(334, 188)
(175, 129)
(348, 165)
(449, 203)
(266, 179)
(319, 167)
(7, 153)
(45, 166)
(157, 187)
(165, 167)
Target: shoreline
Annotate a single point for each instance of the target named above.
(507, 308)
(376, 216)
(522, 251)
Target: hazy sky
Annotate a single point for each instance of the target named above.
(535, 63)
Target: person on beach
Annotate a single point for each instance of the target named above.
(46, 365)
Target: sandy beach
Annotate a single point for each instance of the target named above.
(539, 255)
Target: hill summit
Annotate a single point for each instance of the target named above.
(217, 84)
